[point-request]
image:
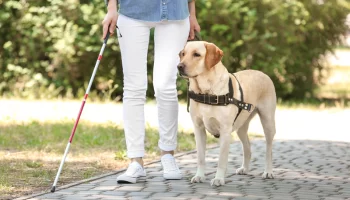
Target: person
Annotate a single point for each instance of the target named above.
(174, 22)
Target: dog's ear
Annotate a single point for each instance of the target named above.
(213, 56)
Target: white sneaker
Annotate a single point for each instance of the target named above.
(170, 168)
(134, 171)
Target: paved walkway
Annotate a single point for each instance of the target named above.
(304, 169)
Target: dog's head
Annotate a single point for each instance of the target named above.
(197, 58)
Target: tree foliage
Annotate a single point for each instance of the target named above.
(48, 47)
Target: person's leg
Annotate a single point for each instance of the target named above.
(134, 47)
(170, 38)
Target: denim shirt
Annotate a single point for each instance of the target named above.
(154, 10)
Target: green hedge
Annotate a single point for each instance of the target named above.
(48, 47)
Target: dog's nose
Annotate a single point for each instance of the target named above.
(181, 67)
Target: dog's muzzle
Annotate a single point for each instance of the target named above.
(181, 69)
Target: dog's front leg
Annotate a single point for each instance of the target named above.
(225, 140)
(201, 139)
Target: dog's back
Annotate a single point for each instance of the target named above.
(257, 83)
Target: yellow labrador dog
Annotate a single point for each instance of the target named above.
(222, 103)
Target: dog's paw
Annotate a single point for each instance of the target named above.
(198, 179)
(217, 182)
(267, 175)
(242, 171)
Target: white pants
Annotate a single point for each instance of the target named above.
(170, 38)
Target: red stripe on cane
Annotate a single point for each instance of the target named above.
(77, 121)
(78, 118)
(99, 57)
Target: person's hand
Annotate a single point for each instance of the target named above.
(194, 27)
(109, 22)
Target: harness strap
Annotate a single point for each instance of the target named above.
(188, 96)
(242, 98)
(220, 100)
(215, 100)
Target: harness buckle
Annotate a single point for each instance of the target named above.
(217, 100)
(250, 108)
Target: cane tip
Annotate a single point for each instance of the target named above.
(53, 189)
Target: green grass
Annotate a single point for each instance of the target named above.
(52, 137)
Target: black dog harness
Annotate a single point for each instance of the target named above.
(221, 100)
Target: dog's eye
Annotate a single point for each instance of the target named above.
(196, 55)
(181, 54)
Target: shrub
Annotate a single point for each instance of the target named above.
(48, 48)
(281, 38)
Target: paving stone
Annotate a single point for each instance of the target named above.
(143, 194)
(207, 192)
(105, 188)
(334, 198)
(131, 188)
(83, 187)
(230, 194)
(87, 192)
(167, 198)
(75, 197)
(48, 198)
(64, 192)
(191, 196)
(167, 194)
(160, 190)
(107, 197)
(303, 170)
(52, 195)
(213, 197)
(138, 198)
(284, 197)
(114, 193)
